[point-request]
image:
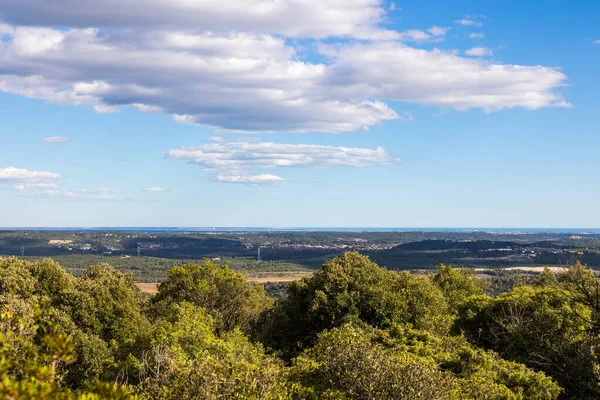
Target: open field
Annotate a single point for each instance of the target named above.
(277, 277)
(274, 277)
(151, 288)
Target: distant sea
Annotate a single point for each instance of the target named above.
(180, 230)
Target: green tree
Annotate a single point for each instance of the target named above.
(582, 286)
(354, 362)
(457, 285)
(225, 294)
(480, 373)
(546, 278)
(31, 357)
(345, 364)
(15, 277)
(102, 313)
(187, 359)
(544, 328)
(351, 288)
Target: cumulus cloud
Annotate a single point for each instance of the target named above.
(154, 189)
(56, 139)
(174, 58)
(479, 52)
(238, 161)
(293, 18)
(477, 35)
(442, 79)
(9, 174)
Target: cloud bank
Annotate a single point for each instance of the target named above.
(292, 18)
(236, 65)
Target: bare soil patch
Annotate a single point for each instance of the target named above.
(151, 288)
(264, 277)
(277, 277)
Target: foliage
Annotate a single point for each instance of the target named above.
(345, 364)
(353, 330)
(31, 353)
(549, 327)
(351, 288)
(228, 298)
(400, 363)
(188, 360)
(457, 285)
(480, 373)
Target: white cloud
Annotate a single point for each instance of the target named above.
(477, 35)
(56, 139)
(16, 175)
(438, 30)
(415, 35)
(154, 189)
(44, 190)
(263, 179)
(468, 22)
(479, 52)
(104, 109)
(441, 79)
(35, 185)
(235, 161)
(175, 59)
(148, 109)
(435, 33)
(293, 18)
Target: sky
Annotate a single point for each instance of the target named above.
(299, 113)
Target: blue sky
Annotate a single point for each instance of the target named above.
(356, 113)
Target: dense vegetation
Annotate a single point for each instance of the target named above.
(154, 269)
(353, 330)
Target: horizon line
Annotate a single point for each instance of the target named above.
(209, 228)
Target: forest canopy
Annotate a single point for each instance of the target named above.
(352, 330)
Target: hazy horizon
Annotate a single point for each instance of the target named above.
(201, 229)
